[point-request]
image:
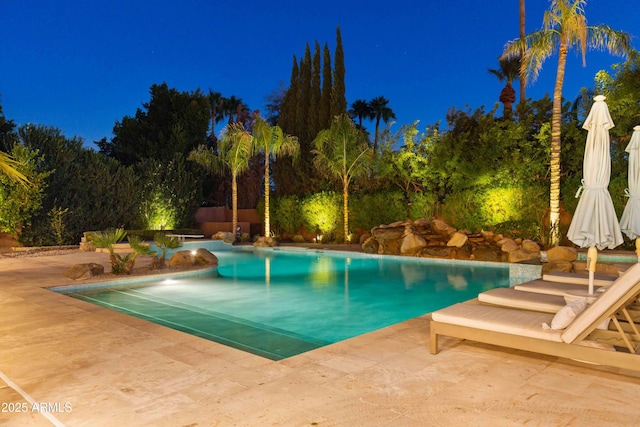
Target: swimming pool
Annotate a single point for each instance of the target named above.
(277, 303)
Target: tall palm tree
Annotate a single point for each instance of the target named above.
(9, 166)
(523, 33)
(564, 27)
(341, 153)
(380, 111)
(360, 109)
(230, 107)
(272, 142)
(235, 150)
(215, 105)
(509, 70)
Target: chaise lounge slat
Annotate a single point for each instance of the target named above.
(510, 297)
(579, 279)
(551, 288)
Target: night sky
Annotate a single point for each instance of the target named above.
(83, 65)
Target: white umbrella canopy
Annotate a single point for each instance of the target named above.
(595, 223)
(630, 220)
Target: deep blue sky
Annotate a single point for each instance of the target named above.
(82, 65)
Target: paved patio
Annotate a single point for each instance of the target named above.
(114, 370)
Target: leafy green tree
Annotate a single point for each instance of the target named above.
(273, 104)
(8, 165)
(380, 111)
(98, 192)
(20, 203)
(342, 154)
(272, 142)
(170, 192)
(171, 122)
(623, 92)
(235, 149)
(407, 168)
(7, 133)
(509, 71)
(564, 27)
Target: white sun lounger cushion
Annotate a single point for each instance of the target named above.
(603, 304)
(579, 279)
(509, 297)
(551, 288)
(499, 319)
(567, 314)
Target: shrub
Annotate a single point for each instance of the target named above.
(463, 210)
(286, 215)
(423, 205)
(493, 207)
(322, 212)
(372, 209)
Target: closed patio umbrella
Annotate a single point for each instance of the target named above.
(595, 223)
(630, 220)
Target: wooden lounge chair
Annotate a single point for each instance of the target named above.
(580, 340)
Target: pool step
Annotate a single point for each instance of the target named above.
(271, 343)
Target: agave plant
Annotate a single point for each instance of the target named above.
(164, 243)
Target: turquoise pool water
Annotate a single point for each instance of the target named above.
(278, 303)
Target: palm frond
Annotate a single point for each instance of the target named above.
(9, 166)
(603, 37)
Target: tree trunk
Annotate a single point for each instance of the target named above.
(234, 202)
(554, 164)
(345, 205)
(267, 216)
(375, 138)
(523, 33)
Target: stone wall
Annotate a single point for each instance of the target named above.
(435, 238)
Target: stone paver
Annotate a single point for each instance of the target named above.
(111, 369)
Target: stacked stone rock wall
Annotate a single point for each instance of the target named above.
(437, 239)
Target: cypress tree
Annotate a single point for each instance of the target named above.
(289, 108)
(302, 130)
(313, 119)
(338, 98)
(325, 98)
(285, 176)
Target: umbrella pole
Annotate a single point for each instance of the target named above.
(638, 248)
(592, 259)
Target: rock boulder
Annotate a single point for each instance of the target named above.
(204, 257)
(182, 259)
(84, 271)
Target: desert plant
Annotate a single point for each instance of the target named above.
(139, 248)
(106, 239)
(164, 243)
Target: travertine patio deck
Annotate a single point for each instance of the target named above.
(115, 370)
